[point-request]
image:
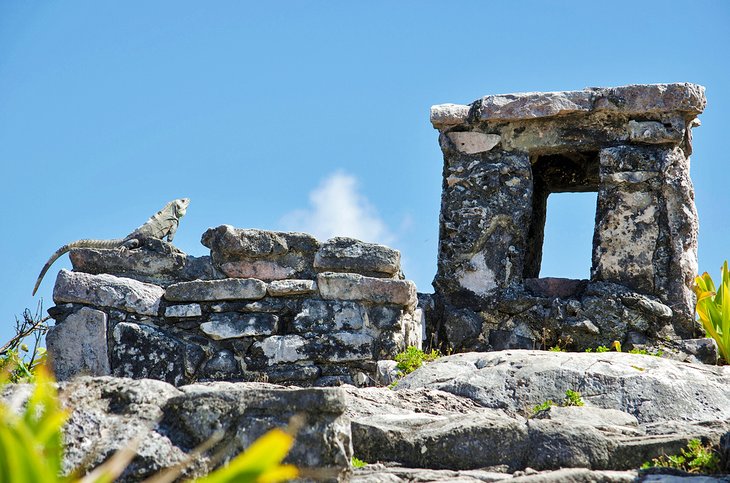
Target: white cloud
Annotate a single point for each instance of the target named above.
(337, 208)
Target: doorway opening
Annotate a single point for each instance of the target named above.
(573, 180)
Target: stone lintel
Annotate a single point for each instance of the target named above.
(627, 100)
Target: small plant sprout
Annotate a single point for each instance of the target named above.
(543, 406)
(358, 463)
(413, 358)
(696, 458)
(572, 398)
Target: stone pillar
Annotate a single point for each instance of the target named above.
(485, 215)
(646, 226)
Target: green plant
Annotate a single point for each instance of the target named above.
(16, 353)
(556, 348)
(572, 398)
(543, 406)
(358, 463)
(413, 358)
(696, 458)
(712, 310)
(602, 348)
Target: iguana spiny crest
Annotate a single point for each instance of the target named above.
(161, 225)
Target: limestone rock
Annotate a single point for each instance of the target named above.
(78, 346)
(107, 291)
(140, 351)
(263, 254)
(279, 288)
(341, 254)
(473, 142)
(650, 388)
(350, 286)
(449, 114)
(322, 316)
(107, 413)
(160, 264)
(183, 311)
(232, 325)
(214, 290)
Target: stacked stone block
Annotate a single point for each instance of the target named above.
(505, 154)
(264, 305)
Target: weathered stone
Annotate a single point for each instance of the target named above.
(386, 317)
(654, 132)
(229, 242)
(473, 142)
(214, 290)
(279, 288)
(222, 365)
(108, 291)
(78, 346)
(631, 145)
(628, 100)
(183, 311)
(323, 316)
(140, 351)
(229, 325)
(262, 254)
(341, 254)
(107, 413)
(555, 287)
(260, 269)
(155, 262)
(283, 348)
(449, 114)
(350, 286)
(650, 388)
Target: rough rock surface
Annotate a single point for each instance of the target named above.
(107, 291)
(107, 413)
(471, 411)
(343, 254)
(80, 347)
(650, 388)
(161, 265)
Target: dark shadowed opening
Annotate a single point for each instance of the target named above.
(559, 173)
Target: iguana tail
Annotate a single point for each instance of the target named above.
(77, 244)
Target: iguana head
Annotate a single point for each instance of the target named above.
(180, 206)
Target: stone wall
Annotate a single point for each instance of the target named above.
(266, 306)
(505, 154)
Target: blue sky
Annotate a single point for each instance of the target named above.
(308, 115)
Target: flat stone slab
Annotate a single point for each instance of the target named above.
(158, 262)
(351, 286)
(629, 100)
(228, 242)
(107, 291)
(213, 290)
(233, 325)
(278, 288)
(647, 387)
(342, 254)
(183, 311)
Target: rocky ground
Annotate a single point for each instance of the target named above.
(466, 417)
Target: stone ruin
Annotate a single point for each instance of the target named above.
(264, 306)
(504, 155)
(285, 308)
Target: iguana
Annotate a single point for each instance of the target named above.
(161, 225)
